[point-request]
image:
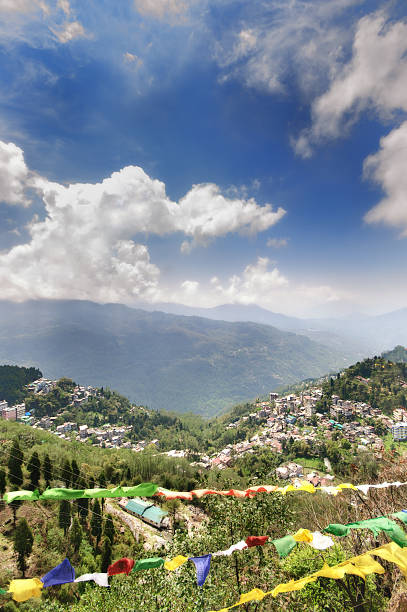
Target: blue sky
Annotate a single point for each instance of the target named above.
(205, 152)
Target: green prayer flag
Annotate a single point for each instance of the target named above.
(21, 495)
(2, 592)
(402, 516)
(144, 489)
(60, 493)
(376, 525)
(143, 564)
(284, 545)
(114, 492)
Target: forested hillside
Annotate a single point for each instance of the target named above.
(13, 379)
(167, 362)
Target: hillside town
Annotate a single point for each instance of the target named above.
(278, 421)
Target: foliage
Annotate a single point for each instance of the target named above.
(23, 543)
(13, 379)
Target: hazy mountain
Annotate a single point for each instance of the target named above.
(359, 334)
(165, 361)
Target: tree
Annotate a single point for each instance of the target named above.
(64, 517)
(47, 470)
(66, 473)
(75, 473)
(109, 530)
(14, 505)
(16, 458)
(23, 543)
(75, 535)
(96, 522)
(106, 555)
(34, 468)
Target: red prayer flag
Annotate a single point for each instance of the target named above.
(256, 540)
(122, 566)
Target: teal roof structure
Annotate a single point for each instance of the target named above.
(146, 510)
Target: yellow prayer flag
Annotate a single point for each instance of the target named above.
(176, 562)
(303, 535)
(346, 485)
(393, 553)
(26, 588)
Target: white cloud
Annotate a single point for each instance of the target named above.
(160, 8)
(21, 6)
(375, 77)
(85, 248)
(69, 31)
(64, 6)
(277, 243)
(263, 284)
(296, 37)
(14, 175)
(388, 168)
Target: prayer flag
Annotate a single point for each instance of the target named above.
(176, 562)
(25, 588)
(256, 540)
(100, 579)
(61, 574)
(122, 566)
(143, 564)
(202, 565)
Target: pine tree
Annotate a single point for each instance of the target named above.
(14, 505)
(15, 473)
(109, 530)
(64, 517)
(106, 555)
(47, 470)
(75, 474)
(102, 483)
(96, 522)
(75, 535)
(23, 543)
(66, 473)
(34, 468)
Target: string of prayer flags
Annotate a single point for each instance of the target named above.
(61, 574)
(148, 489)
(143, 564)
(102, 579)
(203, 565)
(376, 525)
(122, 566)
(362, 566)
(25, 588)
(315, 539)
(175, 563)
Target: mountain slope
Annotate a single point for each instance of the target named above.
(164, 361)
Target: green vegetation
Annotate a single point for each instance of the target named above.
(397, 355)
(13, 380)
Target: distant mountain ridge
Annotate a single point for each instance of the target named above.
(165, 361)
(359, 334)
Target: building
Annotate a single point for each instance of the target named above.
(146, 511)
(399, 431)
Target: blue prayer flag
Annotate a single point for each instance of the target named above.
(202, 565)
(62, 573)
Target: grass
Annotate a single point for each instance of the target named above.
(312, 463)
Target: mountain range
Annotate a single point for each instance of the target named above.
(165, 361)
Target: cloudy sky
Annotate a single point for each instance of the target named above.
(205, 152)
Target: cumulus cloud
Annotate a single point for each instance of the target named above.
(86, 247)
(388, 168)
(277, 243)
(375, 77)
(263, 284)
(14, 175)
(300, 37)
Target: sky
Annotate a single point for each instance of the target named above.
(205, 152)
